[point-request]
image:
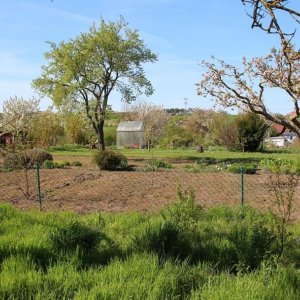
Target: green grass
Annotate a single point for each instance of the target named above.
(70, 150)
(190, 155)
(183, 252)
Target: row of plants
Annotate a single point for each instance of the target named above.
(182, 252)
(115, 161)
(28, 159)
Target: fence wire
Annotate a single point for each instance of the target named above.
(86, 190)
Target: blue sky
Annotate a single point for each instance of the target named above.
(181, 32)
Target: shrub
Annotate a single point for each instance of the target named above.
(111, 161)
(185, 213)
(283, 183)
(164, 239)
(37, 155)
(236, 168)
(26, 159)
(74, 235)
(207, 161)
(281, 166)
(76, 163)
(13, 161)
(154, 164)
(59, 165)
(251, 129)
(194, 168)
(253, 242)
(48, 164)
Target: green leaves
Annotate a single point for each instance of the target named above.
(89, 67)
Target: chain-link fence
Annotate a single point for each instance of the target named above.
(88, 189)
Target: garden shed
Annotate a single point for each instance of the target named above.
(130, 134)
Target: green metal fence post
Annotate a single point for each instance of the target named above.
(242, 187)
(38, 183)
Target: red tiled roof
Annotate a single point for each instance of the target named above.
(279, 128)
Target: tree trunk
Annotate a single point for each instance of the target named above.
(101, 135)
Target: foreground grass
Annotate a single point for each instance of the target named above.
(183, 252)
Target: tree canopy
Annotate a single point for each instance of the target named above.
(245, 87)
(88, 68)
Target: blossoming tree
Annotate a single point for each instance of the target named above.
(244, 87)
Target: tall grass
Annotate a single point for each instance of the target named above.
(183, 252)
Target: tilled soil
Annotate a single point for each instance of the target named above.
(89, 190)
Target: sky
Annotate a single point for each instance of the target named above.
(181, 32)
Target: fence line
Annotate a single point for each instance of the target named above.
(85, 190)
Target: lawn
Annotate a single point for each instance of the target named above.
(180, 154)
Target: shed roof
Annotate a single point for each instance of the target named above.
(131, 126)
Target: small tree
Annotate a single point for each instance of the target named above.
(175, 133)
(89, 67)
(283, 183)
(46, 130)
(153, 116)
(198, 124)
(251, 130)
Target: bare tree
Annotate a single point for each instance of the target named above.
(153, 116)
(245, 87)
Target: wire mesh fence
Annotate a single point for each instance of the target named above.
(88, 189)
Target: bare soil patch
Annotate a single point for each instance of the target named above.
(87, 189)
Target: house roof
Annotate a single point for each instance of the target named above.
(130, 126)
(279, 128)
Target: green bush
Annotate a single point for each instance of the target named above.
(185, 213)
(73, 235)
(281, 166)
(13, 161)
(76, 163)
(207, 161)
(37, 155)
(59, 165)
(253, 242)
(26, 159)
(176, 236)
(154, 164)
(48, 164)
(111, 161)
(247, 168)
(163, 239)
